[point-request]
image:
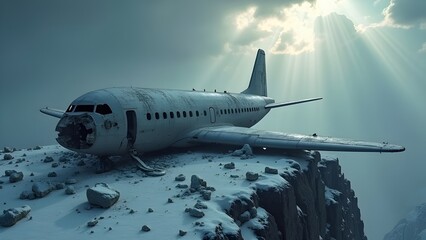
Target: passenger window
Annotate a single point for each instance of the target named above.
(148, 116)
(172, 115)
(221, 111)
(164, 115)
(157, 115)
(178, 114)
(232, 110)
(197, 113)
(84, 108)
(205, 113)
(70, 108)
(184, 114)
(190, 113)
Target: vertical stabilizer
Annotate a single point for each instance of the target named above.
(257, 84)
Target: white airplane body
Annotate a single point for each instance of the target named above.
(115, 121)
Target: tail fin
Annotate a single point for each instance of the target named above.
(257, 84)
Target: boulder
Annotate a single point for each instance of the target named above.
(102, 195)
(145, 228)
(11, 216)
(41, 189)
(230, 165)
(70, 190)
(52, 174)
(251, 176)
(16, 177)
(92, 223)
(271, 170)
(193, 212)
(245, 151)
(197, 182)
(180, 178)
(7, 156)
(48, 159)
(7, 149)
(7, 173)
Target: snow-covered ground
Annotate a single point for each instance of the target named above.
(62, 216)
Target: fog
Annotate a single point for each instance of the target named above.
(373, 84)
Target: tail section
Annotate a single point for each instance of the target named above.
(257, 84)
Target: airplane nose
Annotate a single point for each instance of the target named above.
(76, 131)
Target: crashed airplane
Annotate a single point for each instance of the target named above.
(127, 120)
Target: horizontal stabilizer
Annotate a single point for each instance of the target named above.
(52, 112)
(275, 105)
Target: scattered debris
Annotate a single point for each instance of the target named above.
(206, 194)
(7, 173)
(52, 174)
(182, 186)
(200, 205)
(102, 195)
(197, 182)
(11, 216)
(271, 170)
(169, 200)
(251, 176)
(81, 163)
(55, 165)
(59, 186)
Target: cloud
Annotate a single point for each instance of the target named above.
(405, 13)
(423, 48)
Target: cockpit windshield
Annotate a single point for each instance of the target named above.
(102, 109)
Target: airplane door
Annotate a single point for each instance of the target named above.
(212, 115)
(131, 128)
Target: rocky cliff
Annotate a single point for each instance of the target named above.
(314, 202)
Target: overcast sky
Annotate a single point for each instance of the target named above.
(366, 58)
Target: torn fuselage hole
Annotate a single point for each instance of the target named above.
(76, 132)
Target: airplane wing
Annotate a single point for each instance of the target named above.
(52, 112)
(259, 138)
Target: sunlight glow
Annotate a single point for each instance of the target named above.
(246, 18)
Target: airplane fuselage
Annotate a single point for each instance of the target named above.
(151, 119)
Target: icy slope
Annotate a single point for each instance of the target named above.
(413, 227)
(309, 198)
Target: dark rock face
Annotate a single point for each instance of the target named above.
(317, 203)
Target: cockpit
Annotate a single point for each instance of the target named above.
(102, 109)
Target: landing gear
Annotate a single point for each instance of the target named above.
(155, 172)
(104, 165)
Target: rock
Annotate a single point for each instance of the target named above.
(253, 212)
(206, 194)
(41, 189)
(59, 186)
(11, 216)
(245, 152)
(102, 195)
(16, 177)
(197, 182)
(193, 212)
(182, 233)
(52, 174)
(48, 159)
(9, 172)
(70, 181)
(25, 195)
(81, 163)
(182, 185)
(37, 148)
(55, 165)
(63, 159)
(271, 170)
(70, 190)
(230, 165)
(7, 156)
(7, 150)
(145, 228)
(251, 176)
(200, 205)
(180, 178)
(150, 210)
(92, 223)
(169, 200)
(244, 217)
